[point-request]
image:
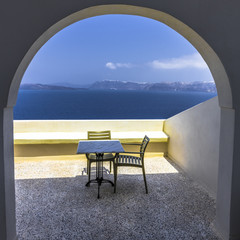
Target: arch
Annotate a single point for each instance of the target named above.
(214, 63)
(227, 209)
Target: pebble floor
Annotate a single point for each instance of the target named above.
(53, 203)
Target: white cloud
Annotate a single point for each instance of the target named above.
(190, 61)
(114, 66)
(111, 65)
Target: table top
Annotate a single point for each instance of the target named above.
(100, 146)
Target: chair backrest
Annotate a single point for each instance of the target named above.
(144, 144)
(99, 135)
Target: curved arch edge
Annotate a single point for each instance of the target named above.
(214, 63)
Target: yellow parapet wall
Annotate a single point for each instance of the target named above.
(71, 131)
(60, 137)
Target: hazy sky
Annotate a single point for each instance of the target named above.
(116, 47)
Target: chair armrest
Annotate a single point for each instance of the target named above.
(137, 144)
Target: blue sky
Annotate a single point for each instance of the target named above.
(116, 47)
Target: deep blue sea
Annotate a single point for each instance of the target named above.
(104, 104)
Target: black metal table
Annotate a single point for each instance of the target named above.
(99, 147)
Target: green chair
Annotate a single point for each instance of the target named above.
(109, 157)
(131, 161)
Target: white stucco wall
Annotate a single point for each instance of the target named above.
(194, 142)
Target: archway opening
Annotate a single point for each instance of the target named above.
(114, 53)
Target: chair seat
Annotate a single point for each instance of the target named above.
(125, 160)
(106, 157)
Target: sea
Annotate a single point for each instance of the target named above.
(104, 104)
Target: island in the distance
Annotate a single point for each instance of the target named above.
(124, 85)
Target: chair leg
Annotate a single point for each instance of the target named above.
(110, 162)
(115, 177)
(145, 180)
(89, 171)
(87, 166)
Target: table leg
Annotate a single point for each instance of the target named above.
(99, 173)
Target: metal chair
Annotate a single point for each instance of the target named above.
(98, 135)
(131, 161)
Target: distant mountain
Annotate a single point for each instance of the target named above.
(184, 86)
(118, 85)
(72, 85)
(30, 86)
(121, 85)
(164, 86)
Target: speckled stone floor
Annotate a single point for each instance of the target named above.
(53, 203)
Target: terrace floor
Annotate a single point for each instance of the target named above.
(52, 202)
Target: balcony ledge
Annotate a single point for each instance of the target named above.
(75, 137)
